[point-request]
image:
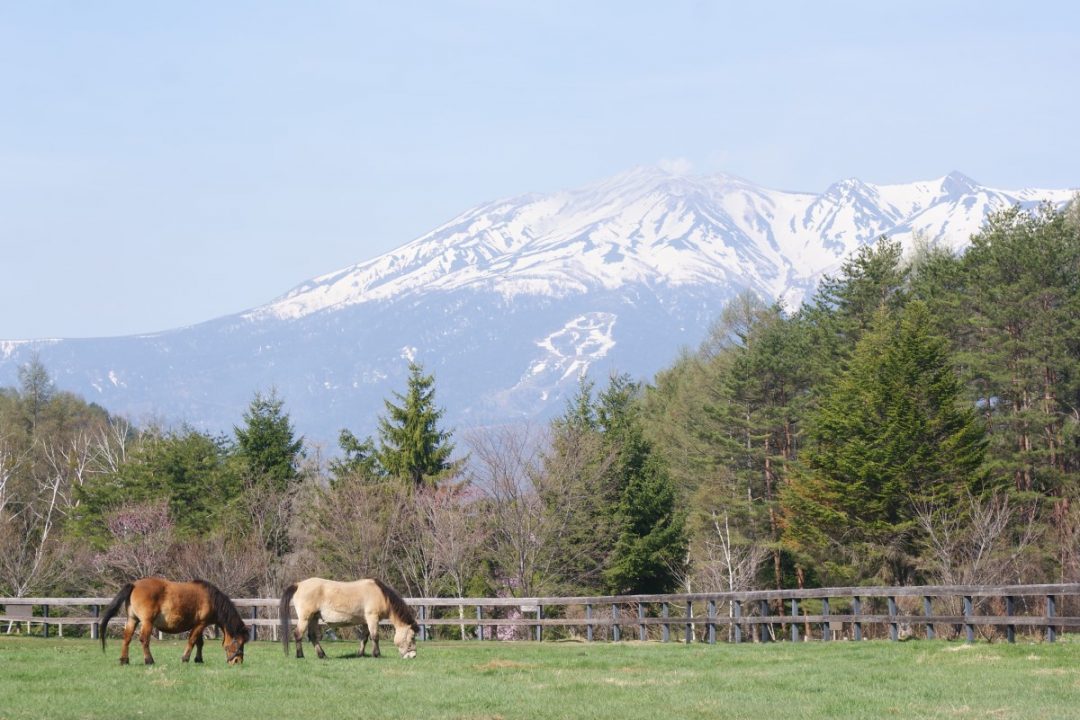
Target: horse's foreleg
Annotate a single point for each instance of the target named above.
(362, 632)
(196, 632)
(145, 631)
(129, 631)
(198, 647)
(373, 631)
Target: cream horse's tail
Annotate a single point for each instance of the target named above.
(283, 613)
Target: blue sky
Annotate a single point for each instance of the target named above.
(162, 164)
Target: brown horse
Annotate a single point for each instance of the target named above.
(174, 607)
(362, 603)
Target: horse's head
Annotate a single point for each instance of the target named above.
(234, 645)
(405, 639)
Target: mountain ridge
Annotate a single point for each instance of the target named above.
(509, 301)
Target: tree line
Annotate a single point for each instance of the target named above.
(916, 420)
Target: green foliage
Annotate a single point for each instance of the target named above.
(650, 546)
(187, 468)
(359, 458)
(890, 435)
(266, 445)
(1022, 295)
(411, 444)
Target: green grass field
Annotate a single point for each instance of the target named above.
(71, 678)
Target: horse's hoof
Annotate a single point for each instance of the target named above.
(184, 659)
(198, 660)
(149, 662)
(124, 661)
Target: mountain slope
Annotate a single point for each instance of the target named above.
(510, 301)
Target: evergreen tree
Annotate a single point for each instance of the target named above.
(411, 444)
(187, 468)
(360, 459)
(650, 548)
(890, 434)
(266, 443)
(1023, 301)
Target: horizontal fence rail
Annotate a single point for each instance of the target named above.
(853, 613)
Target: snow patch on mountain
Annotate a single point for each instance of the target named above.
(655, 227)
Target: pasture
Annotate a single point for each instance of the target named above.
(71, 678)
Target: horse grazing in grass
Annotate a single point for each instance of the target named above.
(174, 607)
(362, 603)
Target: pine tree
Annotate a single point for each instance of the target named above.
(1023, 301)
(890, 434)
(266, 443)
(650, 549)
(411, 444)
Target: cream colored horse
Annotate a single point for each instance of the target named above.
(361, 603)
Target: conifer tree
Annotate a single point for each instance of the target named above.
(411, 444)
(890, 434)
(1023, 300)
(650, 548)
(266, 442)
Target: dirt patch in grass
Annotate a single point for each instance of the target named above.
(502, 664)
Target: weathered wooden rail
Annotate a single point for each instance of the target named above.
(825, 613)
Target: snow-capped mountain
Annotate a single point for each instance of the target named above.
(511, 301)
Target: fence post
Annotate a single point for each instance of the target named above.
(254, 627)
(928, 611)
(763, 608)
(642, 636)
(737, 611)
(588, 625)
(794, 619)
(712, 622)
(479, 625)
(539, 627)
(826, 625)
(666, 629)
(1051, 632)
(96, 609)
(856, 610)
(894, 628)
(1010, 610)
(45, 622)
(689, 625)
(969, 610)
(616, 635)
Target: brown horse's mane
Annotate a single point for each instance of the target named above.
(398, 605)
(228, 617)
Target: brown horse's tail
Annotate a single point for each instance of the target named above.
(114, 607)
(283, 613)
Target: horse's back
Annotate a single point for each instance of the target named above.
(169, 606)
(338, 602)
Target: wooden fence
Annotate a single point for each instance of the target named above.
(825, 613)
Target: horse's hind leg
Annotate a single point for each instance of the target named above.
(298, 634)
(129, 631)
(145, 631)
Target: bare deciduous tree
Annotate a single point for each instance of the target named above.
(143, 542)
